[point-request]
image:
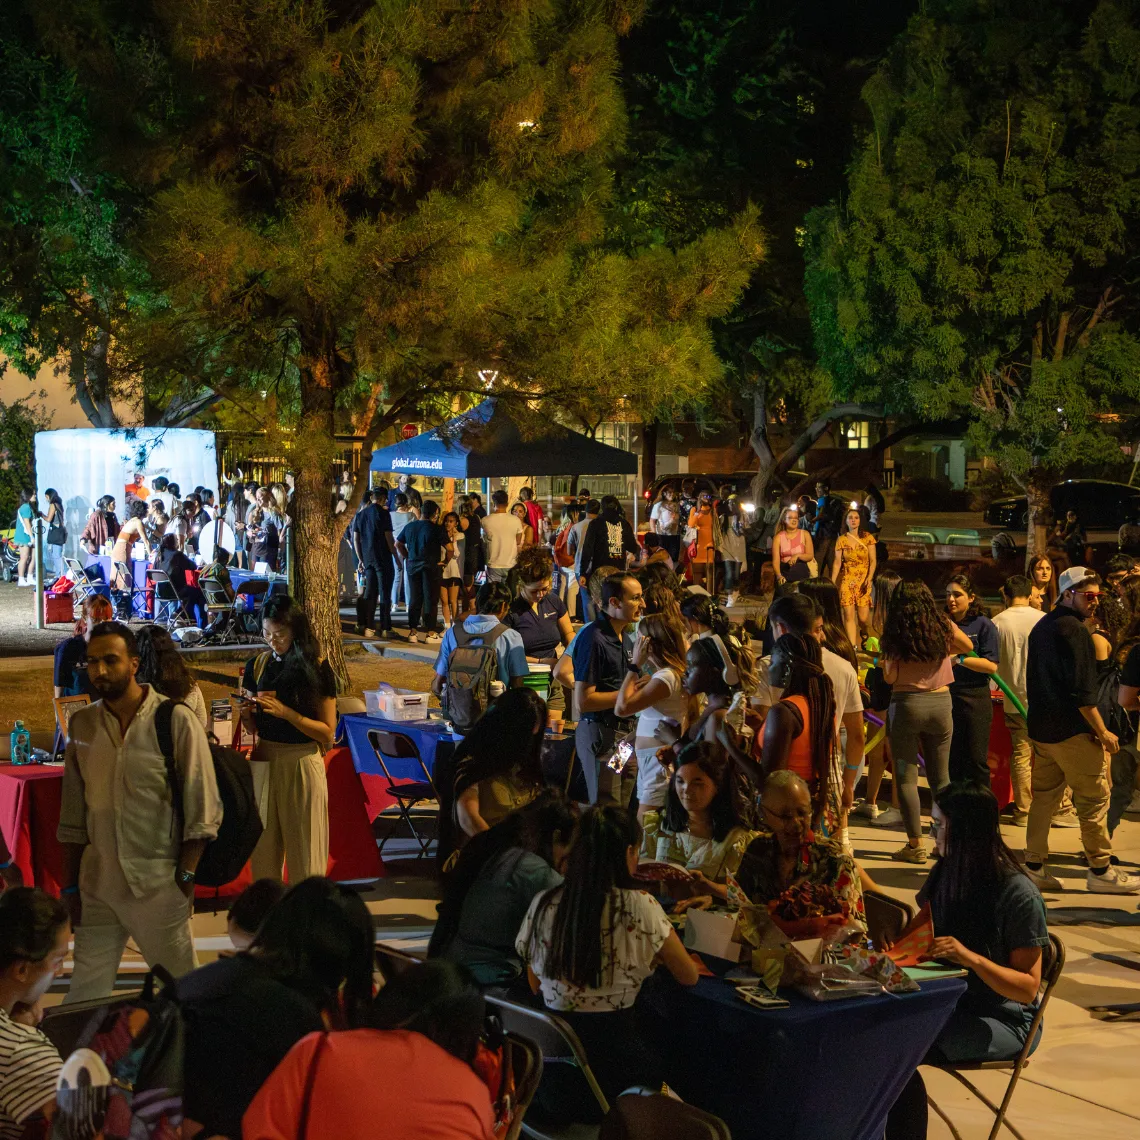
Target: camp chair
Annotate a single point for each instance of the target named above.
(124, 572)
(169, 609)
(417, 797)
(557, 1041)
(637, 1116)
(523, 1058)
(887, 917)
(1052, 963)
(84, 587)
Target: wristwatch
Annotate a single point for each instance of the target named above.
(183, 876)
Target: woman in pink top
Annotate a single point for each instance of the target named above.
(918, 642)
(409, 1078)
(792, 548)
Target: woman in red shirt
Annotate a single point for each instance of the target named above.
(408, 1077)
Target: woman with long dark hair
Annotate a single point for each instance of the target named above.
(236, 508)
(498, 764)
(702, 550)
(825, 594)
(799, 730)
(990, 919)
(161, 665)
(1044, 579)
(289, 696)
(917, 645)
(55, 536)
(590, 943)
(309, 967)
(853, 571)
(971, 707)
(487, 894)
(607, 541)
(102, 525)
(702, 827)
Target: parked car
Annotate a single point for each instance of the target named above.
(1099, 504)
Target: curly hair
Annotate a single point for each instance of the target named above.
(534, 564)
(725, 811)
(915, 629)
(161, 665)
(975, 608)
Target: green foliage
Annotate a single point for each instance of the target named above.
(19, 422)
(981, 259)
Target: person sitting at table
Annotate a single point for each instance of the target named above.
(161, 665)
(102, 526)
(175, 564)
(487, 894)
(308, 968)
(589, 945)
(410, 1073)
(249, 910)
(702, 828)
(989, 918)
(70, 675)
(218, 571)
(132, 531)
(788, 852)
(498, 764)
(291, 702)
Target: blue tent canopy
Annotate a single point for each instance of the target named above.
(485, 442)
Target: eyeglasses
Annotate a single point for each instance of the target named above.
(795, 817)
(1087, 593)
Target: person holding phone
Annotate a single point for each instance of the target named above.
(289, 698)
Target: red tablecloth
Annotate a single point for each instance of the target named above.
(29, 816)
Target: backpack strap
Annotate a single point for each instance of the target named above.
(463, 637)
(163, 728)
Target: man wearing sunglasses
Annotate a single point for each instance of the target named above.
(1070, 741)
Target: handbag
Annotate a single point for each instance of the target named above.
(690, 536)
(56, 535)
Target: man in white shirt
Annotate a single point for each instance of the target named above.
(1014, 625)
(574, 547)
(129, 859)
(502, 537)
(798, 614)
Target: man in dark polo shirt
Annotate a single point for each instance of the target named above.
(375, 547)
(1070, 742)
(421, 545)
(600, 665)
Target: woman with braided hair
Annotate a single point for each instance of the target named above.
(799, 731)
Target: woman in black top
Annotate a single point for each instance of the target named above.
(290, 700)
(310, 963)
(609, 541)
(175, 564)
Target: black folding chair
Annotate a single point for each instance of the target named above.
(125, 598)
(169, 609)
(1052, 963)
(887, 917)
(413, 797)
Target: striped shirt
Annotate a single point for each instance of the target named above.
(29, 1069)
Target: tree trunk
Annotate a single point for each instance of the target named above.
(1037, 488)
(88, 375)
(648, 453)
(761, 445)
(316, 529)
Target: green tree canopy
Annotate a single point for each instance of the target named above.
(983, 256)
(361, 206)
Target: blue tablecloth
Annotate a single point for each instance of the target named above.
(238, 578)
(813, 1071)
(428, 736)
(106, 571)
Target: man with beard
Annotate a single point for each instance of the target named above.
(129, 863)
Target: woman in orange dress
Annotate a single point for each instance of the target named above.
(853, 570)
(702, 518)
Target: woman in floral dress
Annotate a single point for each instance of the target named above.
(853, 570)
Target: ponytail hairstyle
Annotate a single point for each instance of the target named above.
(806, 678)
(595, 869)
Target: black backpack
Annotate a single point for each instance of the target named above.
(470, 671)
(228, 853)
(1115, 718)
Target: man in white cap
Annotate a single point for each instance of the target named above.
(1070, 741)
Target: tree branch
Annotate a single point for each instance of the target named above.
(819, 425)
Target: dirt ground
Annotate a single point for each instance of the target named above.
(26, 683)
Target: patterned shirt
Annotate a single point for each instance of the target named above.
(713, 858)
(29, 1068)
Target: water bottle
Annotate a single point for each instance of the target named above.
(21, 742)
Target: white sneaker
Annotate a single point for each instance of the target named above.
(433, 638)
(21, 582)
(369, 633)
(1043, 880)
(887, 817)
(731, 601)
(1113, 882)
(867, 810)
(413, 638)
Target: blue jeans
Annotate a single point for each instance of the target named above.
(53, 563)
(970, 1037)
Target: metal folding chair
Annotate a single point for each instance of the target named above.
(84, 586)
(1053, 962)
(124, 572)
(224, 610)
(169, 609)
(412, 796)
(887, 917)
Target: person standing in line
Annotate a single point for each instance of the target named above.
(503, 537)
(792, 548)
(1070, 742)
(23, 538)
(665, 520)
(608, 541)
(401, 516)
(128, 862)
(971, 706)
(535, 515)
(1044, 582)
(474, 558)
(55, 536)
(376, 549)
(826, 528)
(853, 571)
(451, 580)
(290, 700)
(421, 547)
(590, 511)
(1014, 625)
(600, 665)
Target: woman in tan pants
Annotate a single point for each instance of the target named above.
(291, 702)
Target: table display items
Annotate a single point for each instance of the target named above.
(21, 744)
